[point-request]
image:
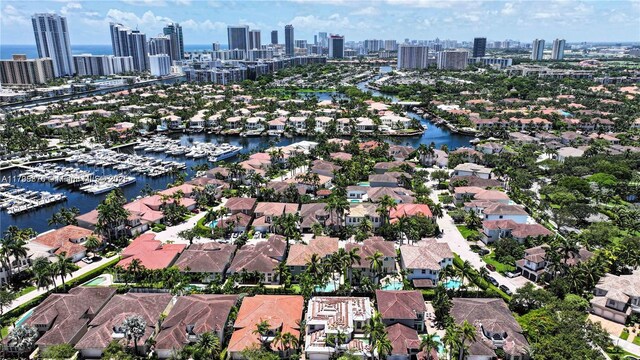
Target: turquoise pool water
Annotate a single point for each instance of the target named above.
(395, 285)
(95, 282)
(440, 346)
(355, 200)
(329, 287)
(213, 224)
(24, 317)
(565, 113)
(453, 284)
(366, 183)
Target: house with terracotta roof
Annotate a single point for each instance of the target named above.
(383, 167)
(151, 253)
(467, 193)
(64, 318)
(374, 194)
(107, 325)
(262, 258)
(405, 343)
(68, 239)
(283, 313)
(616, 297)
(369, 247)
(473, 181)
(471, 169)
(400, 152)
(425, 260)
(267, 212)
(534, 263)
(406, 307)
(490, 210)
(329, 317)
(408, 210)
(493, 230)
(326, 168)
(316, 213)
(189, 318)
(300, 253)
(236, 205)
(210, 260)
(496, 328)
(238, 222)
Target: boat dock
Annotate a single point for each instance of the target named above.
(15, 200)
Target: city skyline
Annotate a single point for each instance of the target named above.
(207, 21)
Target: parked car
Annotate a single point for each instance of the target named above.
(483, 251)
(492, 280)
(491, 267)
(510, 274)
(505, 289)
(87, 260)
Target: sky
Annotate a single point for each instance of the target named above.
(205, 21)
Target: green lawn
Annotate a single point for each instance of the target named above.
(26, 290)
(500, 267)
(466, 232)
(624, 335)
(611, 352)
(636, 340)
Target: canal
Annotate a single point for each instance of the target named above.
(86, 202)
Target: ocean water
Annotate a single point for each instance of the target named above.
(6, 50)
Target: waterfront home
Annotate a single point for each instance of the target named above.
(107, 325)
(276, 126)
(405, 343)
(68, 239)
(471, 169)
(172, 122)
(283, 313)
(439, 159)
(368, 248)
(325, 168)
(493, 230)
(358, 212)
(323, 123)
(491, 210)
(189, 318)
(151, 253)
(365, 125)
(425, 259)
(406, 307)
(300, 253)
(64, 318)
(335, 325)
(298, 123)
(400, 152)
(210, 260)
(616, 297)
(496, 329)
(490, 148)
(261, 259)
(266, 214)
(534, 263)
(522, 138)
(383, 167)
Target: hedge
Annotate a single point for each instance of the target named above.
(15, 313)
(479, 281)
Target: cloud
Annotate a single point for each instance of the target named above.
(12, 16)
(437, 4)
(508, 9)
(206, 25)
(147, 3)
(183, 2)
(314, 23)
(148, 20)
(367, 11)
(70, 6)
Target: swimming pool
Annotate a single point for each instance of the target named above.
(95, 282)
(365, 183)
(452, 284)
(394, 285)
(213, 224)
(440, 345)
(328, 287)
(565, 113)
(355, 200)
(24, 317)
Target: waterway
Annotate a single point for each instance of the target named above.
(87, 202)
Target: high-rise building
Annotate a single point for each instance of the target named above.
(315, 39)
(238, 37)
(122, 64)
(301, 44)
(93, 65)
(254, 39)
(323, 39)
(274, 37)
(537, 49)
(174, 31)
(20, 71)
(215, 46)
(288, 40)
(159, 65)
(127, 42)
(336, 46)
(160, 45)
(52, 41)
(557, 52)
(413, 57)
(452, 59)
(479, 47)
(390, 45)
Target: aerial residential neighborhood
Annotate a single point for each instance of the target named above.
(320, 180)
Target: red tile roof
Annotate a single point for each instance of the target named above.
(64, 239)
(400, 304)
(152, 253)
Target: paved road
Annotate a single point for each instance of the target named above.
(460, 246)
(35, 293)
(627, 346)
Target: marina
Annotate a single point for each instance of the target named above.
(212, 151)
(15, 200)
(144, 165)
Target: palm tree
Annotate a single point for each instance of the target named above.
(436, 210)
(376, 262)
(427, 344)
(383, 347)
(92, 244)
(467, 332)
(465, 271)
(286, 340)
(385, 204)
(208, 346)
(63, 267)
(23, 338)
(451, 338)
(262, 330)
(134, 327)
(314, 266)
